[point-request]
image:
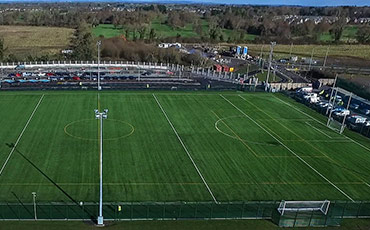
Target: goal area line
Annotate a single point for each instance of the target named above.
(295, 154)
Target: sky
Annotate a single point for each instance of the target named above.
(299, 2)
(252, 2)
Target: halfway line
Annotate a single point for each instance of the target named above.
(300, 158)
(20, 136)
(186, 150)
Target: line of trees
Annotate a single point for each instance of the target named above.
(267, 23)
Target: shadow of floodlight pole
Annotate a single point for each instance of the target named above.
(92, 216)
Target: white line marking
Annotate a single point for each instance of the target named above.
(186, 150)
(300, 158)
(363, 146)
(318, 129)
(20, 136)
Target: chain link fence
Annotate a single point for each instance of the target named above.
(184, 210)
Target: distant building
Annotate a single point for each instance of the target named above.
(67, 51)
(170, 45)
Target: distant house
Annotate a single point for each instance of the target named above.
(67, 51)
(170, 45)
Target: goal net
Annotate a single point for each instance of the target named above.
(334, 125)
(303, 206)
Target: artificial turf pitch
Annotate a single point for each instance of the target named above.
(167, 146)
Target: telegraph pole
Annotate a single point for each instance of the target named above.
(291, 50)
(273, 44)
(326, 57)
(309, 67)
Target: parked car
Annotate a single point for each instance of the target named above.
(341, 113)
(365, 111)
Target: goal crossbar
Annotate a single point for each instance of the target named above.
(302, 206)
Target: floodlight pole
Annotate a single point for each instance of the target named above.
(332, 108)
(270, 62)
(34, 204)
(331, 93)
(101, 116)
(345, 116)
(99, 44)
(309, 67)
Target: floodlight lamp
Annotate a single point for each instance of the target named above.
(96, 111)
(105, 116)
(106, 110)
(97, 116)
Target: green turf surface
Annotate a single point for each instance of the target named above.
(177, 147)
(163, 30)
(349, 34)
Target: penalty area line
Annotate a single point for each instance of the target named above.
(21, 134)
(295, 154)
(186, 150)
(294, 107)
(317, 129)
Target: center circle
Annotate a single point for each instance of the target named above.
(88, 129)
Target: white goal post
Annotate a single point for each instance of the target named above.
(301, 206)
(335, 125)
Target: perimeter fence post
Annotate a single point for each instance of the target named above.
(50, 212)
(243, 206)
(344, 208)
(309, 223)
(180, 210)
(358, 210)
(67, 211)
(212, 210)
(227, 210)
(295, 218)
(164, 210)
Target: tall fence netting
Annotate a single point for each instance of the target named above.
(182, 210)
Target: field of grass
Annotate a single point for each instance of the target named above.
(283, 51)
(263, 76)
(176, 147)
(348, 35)
(35, 40)
(164, 31)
